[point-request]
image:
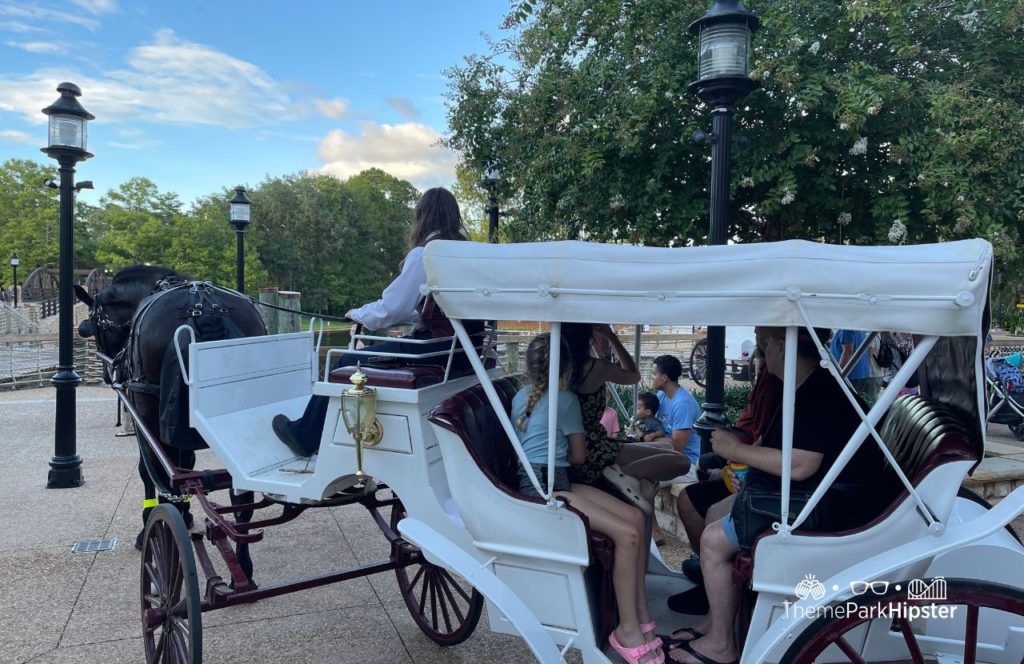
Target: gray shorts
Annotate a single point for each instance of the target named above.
(541, 470)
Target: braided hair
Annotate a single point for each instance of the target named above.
(538, 359)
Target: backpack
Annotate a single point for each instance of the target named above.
(890, 356)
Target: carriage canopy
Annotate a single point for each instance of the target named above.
(939, 289)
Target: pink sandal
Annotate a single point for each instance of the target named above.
(633, 655)
(649, 628)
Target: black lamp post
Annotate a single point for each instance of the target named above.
(491, 179)
(240, 221)
(722, 67)
(66, 144)
(15, 261)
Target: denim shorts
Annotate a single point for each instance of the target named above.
(541, 470)
(730, 532)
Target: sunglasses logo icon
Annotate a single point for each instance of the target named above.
(863, 587)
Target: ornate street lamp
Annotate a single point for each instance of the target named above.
(66, 144)
(723, 63)
(491, 179)
(239, 220)
(15, 261)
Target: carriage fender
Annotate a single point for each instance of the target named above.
(785, 630)
(489, 585)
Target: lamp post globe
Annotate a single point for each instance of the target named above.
(490, 181)
(15, 261)
(723, 65)
(67, 143)
(239, 219)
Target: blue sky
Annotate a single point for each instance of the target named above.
(205, 94)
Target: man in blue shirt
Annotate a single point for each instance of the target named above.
(844, 344)
(678, 410)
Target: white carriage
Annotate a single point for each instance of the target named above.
(448, 449)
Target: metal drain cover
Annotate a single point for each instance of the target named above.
(92, 546)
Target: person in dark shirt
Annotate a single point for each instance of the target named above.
(824, 420)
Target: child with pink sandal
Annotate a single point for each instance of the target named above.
(634, 637)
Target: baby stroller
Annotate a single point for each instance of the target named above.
(1005, 395)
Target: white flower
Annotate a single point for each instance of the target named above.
(860, 147)
(920, 177)
(747, 182)
(796, 41)
(813, 48)
(963, 224)
(843, 126)
(844, 218)
(787, 197)
(897, 232)
(969, 21)
(617, 202)
(872, 110)
(554, 12)
(619, 35)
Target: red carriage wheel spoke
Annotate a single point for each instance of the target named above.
(419, 573)
(180, 649)
(446, 587)
(971, 637)
(849, 651)
(160, 645)
(423, 593)
(455, 584)
(433, 599)
(441, 594)
(911, 640)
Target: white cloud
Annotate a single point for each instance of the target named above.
(97, 6)
(15, 136)
(404, 107)
(46, 15)
(14, 26)
(37, 46)
(170, 81)
(410, 151)
(332, 108)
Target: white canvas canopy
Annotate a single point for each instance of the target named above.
(939, 289)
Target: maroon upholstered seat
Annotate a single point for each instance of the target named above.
(469, 415)
(408, 377)
(922, 434)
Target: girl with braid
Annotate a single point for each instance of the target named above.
(634, 637)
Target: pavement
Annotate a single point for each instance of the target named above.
(59, 607)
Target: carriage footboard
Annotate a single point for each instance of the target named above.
(237, 386)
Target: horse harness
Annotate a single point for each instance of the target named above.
(203, 311)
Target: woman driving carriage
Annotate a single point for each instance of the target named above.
(436, 217)
(824, 420)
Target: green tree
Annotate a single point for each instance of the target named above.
(339, 243)
(135, 224)
(29, 216)
(869, 113)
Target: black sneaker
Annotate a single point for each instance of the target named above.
(282, 427)
(691, 569)
(693, 602)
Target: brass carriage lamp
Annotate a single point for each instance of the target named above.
(359, 411)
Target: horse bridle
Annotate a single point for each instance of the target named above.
(104, 322)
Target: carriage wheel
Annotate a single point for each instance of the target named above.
(699, 362)
(444, 606)
(171, 606)
(969, 596)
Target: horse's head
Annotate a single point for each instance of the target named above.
(111, 311)
(110, 317)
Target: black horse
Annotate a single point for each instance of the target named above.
(134, 321)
